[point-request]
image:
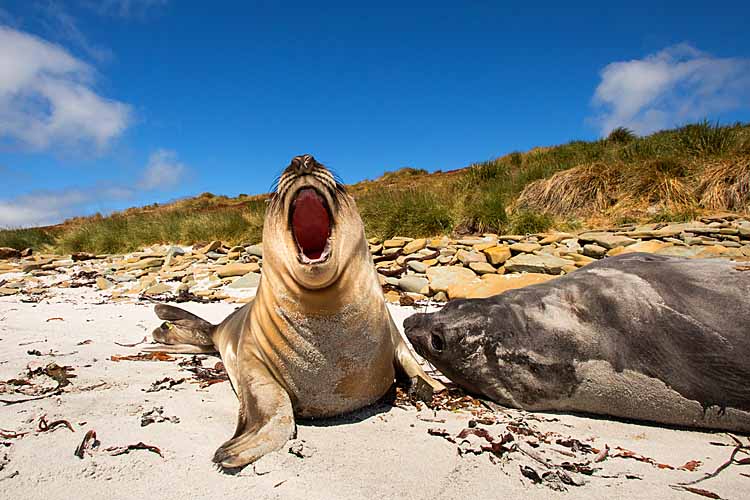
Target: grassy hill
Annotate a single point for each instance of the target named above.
(670, 175)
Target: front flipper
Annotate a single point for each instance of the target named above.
(182, 332)
(266, 419)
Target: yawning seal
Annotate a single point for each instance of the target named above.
(638, 336)
(318, 339)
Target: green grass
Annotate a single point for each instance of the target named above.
(678, 172)
(526, 222)
(684, 215)
(26, 238)
(621, 135)
(387, 213)
(127, 233)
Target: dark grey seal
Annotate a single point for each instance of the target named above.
(638, 336)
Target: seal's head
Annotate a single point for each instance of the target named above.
(495, 347)
(312, 227)
(446, 341)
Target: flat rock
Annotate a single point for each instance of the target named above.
(493, 284)
(675, 251)
(594, 251)
(394, 243)
(606, 240)
(103, 283)
(412, 283)
(249, 280)
(417, 266)
(9, 253)
(497, 255)
(415, 246)
(211, 247)
(158, 289)
(145, 263)
(555, 238)
(467, 257)
(711, 251)
(5, 291)
(81, 256)
(438, 243)
(442, 277)
(256, 250)
(531, 263)
(237, 269)
(34, 265)
(482, 268)
(525, 247)
(650, 246)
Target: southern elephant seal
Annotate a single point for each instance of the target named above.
(317, 340)
(639, 336)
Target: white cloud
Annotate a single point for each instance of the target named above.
(163, 171)
(46, 97)
(44, 207)
(61, 25)
(669, 88)
(123, 8)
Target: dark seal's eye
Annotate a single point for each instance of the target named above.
(437, 342)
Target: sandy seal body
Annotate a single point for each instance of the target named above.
(638, 336)
(318, 339)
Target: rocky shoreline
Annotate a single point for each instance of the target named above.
(410, 270)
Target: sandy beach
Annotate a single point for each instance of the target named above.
(384, 451)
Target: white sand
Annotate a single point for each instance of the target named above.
(380, 452)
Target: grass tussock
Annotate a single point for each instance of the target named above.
(664, 182)
(578, 190)
(725, 184)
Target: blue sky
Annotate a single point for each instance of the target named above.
(115, 103)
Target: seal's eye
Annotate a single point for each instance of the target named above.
(437, 342)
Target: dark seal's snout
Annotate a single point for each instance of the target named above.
(416, 328)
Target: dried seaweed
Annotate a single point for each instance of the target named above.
(144, 356)
(623, 453)
(88, 445)
(121, 450)
(164, 384)
(209, 376)
(697, 491)
(732, 460)
(145, 339)
(156, 415)
(44, 426)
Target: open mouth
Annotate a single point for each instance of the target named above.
(311, 226)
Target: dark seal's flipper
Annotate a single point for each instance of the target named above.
(182, 331)
(266, 419)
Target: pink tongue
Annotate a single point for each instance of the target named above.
(310, 223)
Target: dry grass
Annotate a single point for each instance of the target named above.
(576, 191)
(725, 184)
(665, 182)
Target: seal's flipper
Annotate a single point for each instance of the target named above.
(408, 369)
(266, 419)
(183, 330)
